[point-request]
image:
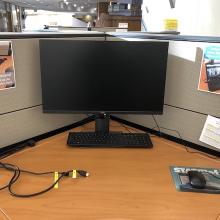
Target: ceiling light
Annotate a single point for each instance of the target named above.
(93, 10)
(74, 5)
(82, 7)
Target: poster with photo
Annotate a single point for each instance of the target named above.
(210, 70)
(7, 71)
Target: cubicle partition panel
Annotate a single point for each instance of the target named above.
(186, 108)
(21, 115)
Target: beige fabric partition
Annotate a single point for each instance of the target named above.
(21, 114)
(185, 107)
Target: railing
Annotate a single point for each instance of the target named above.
(99, 29)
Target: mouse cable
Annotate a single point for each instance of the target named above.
(183, 142)
(17, 173)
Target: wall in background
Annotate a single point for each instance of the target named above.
(195, 17)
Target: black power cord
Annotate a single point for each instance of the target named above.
(17, 173)
(182, 141)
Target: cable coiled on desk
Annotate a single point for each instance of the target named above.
(17, 173)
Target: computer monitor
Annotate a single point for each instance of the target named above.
(103, 77)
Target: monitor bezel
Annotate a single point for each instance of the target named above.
(151, 112)
(108, 112)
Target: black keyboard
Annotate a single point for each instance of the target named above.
(92, 139)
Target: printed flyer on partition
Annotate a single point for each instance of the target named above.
(7, 70)
(210, 70)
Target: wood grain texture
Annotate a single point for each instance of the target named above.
(125, 184)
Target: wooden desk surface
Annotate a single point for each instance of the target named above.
(125, 184)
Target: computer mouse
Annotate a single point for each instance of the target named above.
(196, 179)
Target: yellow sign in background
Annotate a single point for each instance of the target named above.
(170, 24)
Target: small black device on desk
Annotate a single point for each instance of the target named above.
(200, 182)
(196, 179)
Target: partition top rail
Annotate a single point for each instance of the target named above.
(8, 35)
(137, 35)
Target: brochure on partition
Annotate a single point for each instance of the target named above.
(181, 180)
(211, 132)
(7, 71)
(210, 70)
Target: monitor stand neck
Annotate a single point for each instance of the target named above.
(102, 122)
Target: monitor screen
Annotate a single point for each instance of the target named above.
(103, 76)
